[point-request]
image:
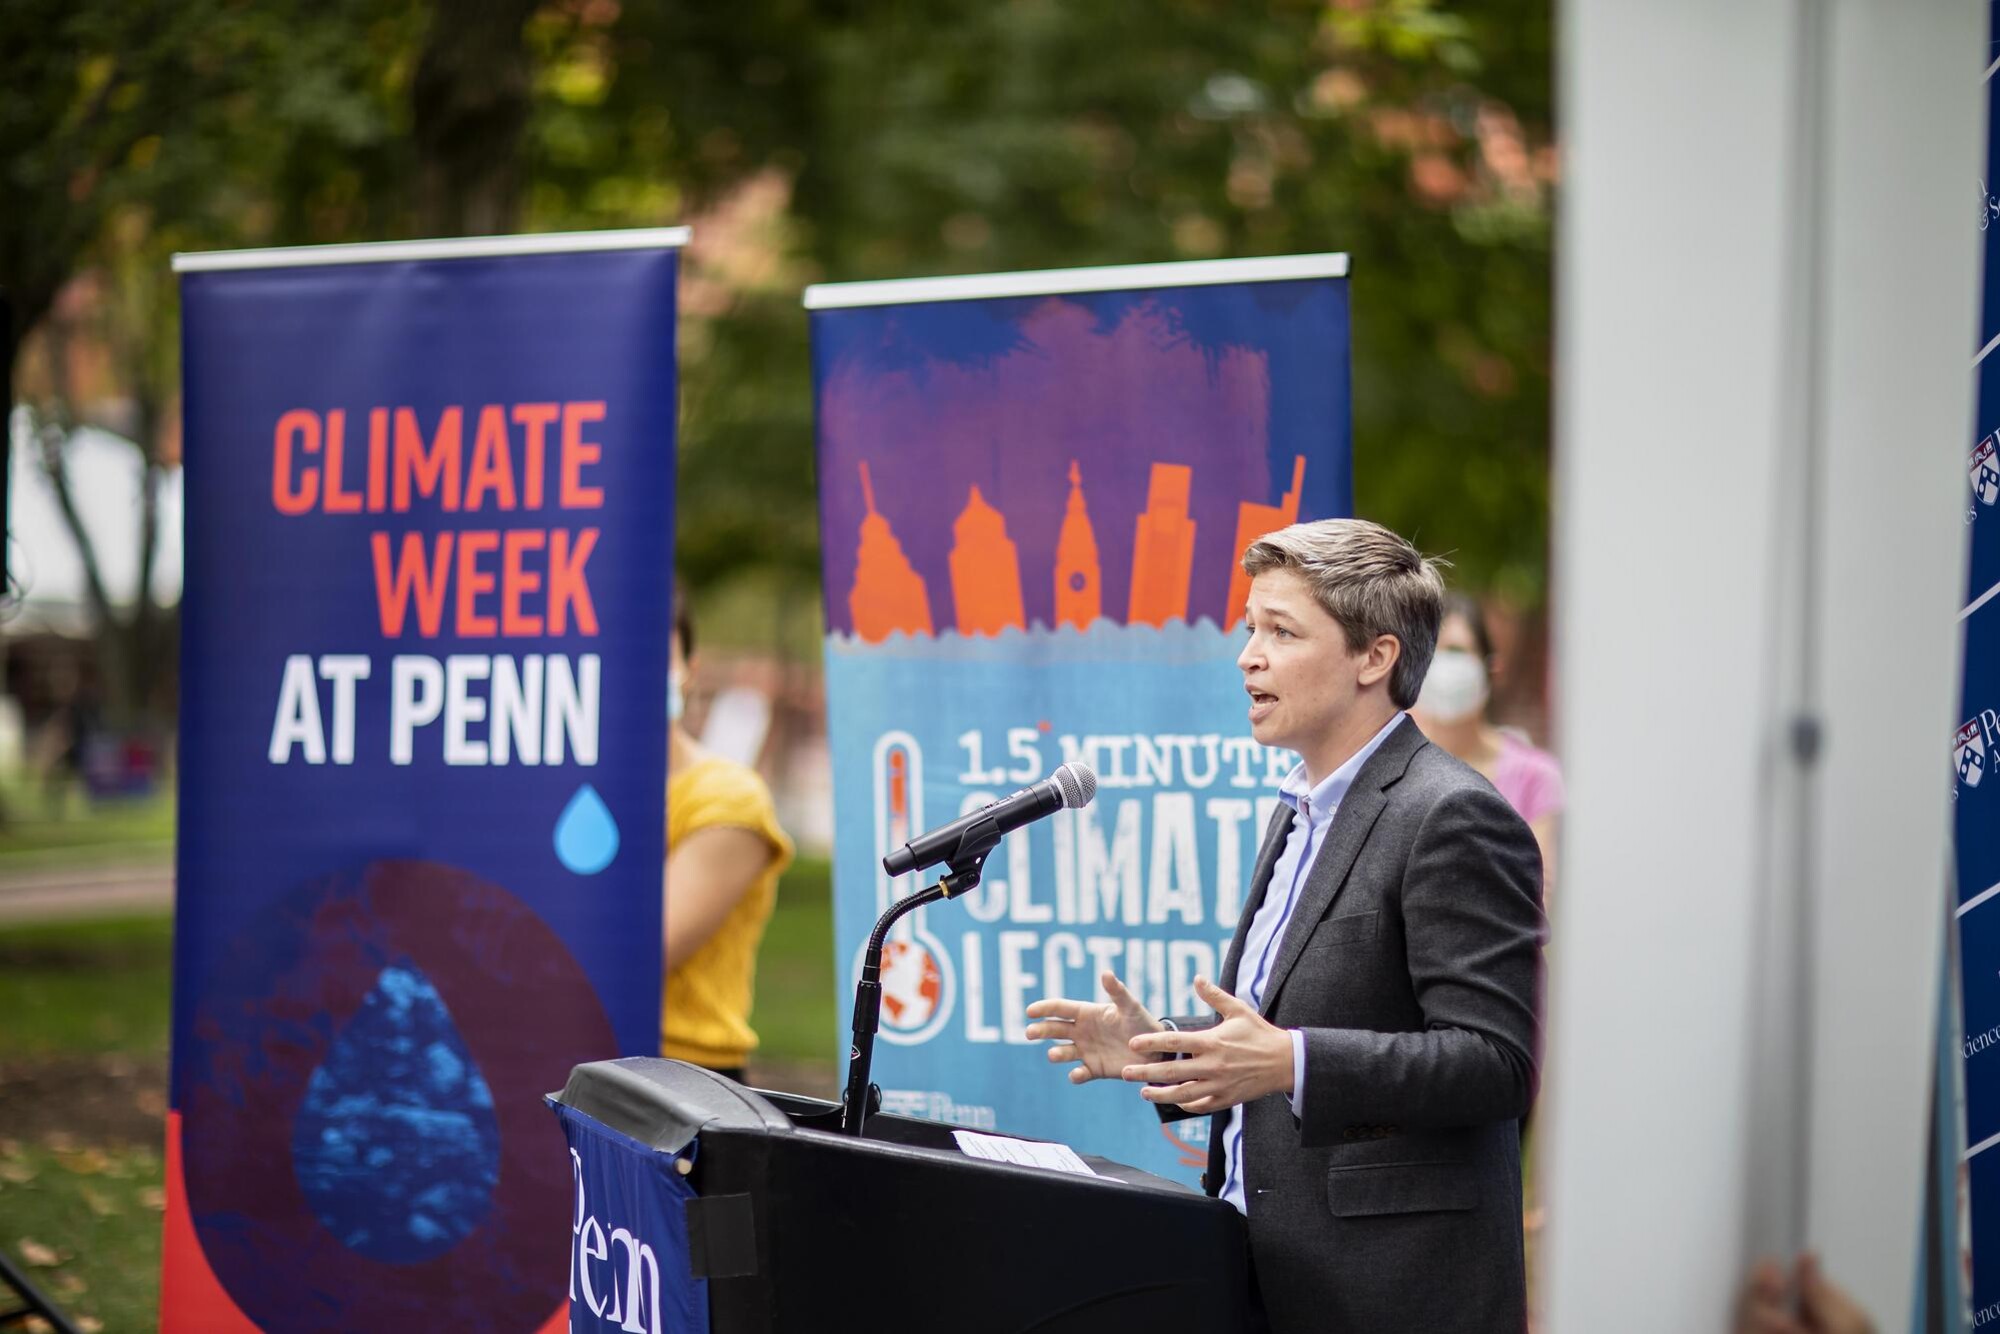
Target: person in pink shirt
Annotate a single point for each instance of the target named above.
(1451, 709)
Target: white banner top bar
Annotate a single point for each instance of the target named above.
(1054, 282)
(456, 247)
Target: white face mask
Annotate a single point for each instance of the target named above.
(676, 701)
(1455, 687)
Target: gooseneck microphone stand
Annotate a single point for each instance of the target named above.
(862, 1097)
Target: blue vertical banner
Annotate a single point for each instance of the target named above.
(1975, 760)
(1034, 492)
(422, 765)
(629, 1252)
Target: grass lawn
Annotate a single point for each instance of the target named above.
(83, 1051)
(795, 1007)
(70, 988)
(85, 1223)
(83, 1048)
(34, 837)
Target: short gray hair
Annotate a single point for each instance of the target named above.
(1370, 580)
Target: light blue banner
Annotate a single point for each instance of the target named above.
(1032, 511)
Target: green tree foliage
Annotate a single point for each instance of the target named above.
(837, 140)
(212, 121)
(932, 137)
(129, 131)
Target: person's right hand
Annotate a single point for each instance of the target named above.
(1828, 1309)
(1823, 1307)
(1096, 1035)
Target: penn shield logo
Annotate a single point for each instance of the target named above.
(1984, 471)
(1975, 747)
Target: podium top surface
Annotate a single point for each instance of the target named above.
(665, 1104)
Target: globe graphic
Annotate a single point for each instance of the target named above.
(911, 984)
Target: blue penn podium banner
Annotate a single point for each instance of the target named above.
(1975, 764)
(629, 1262)
(1034, 492)
(422, 765)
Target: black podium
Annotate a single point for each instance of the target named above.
(798, 1228)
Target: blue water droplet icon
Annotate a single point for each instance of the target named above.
(396, 1147)
(586, 835)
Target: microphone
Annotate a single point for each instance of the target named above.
(974, 835)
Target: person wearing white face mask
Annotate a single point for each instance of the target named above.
(725, 852)
(1451, 710)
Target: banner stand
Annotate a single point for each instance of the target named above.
(1035, 489)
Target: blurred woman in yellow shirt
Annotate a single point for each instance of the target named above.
(725, 852)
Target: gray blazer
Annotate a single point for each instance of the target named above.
(1411, 963)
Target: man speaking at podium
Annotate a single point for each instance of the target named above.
(1374, 1040)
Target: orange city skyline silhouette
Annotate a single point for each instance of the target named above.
(888, 595)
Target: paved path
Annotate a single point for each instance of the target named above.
(50, 893)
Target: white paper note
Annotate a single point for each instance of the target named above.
(1022, 1153)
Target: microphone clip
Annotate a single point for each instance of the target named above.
(962, 872)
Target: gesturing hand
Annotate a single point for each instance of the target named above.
(1094, 1034)
(1241, 1059)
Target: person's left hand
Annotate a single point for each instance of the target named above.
(1762, 1308)
(1823, 1307)
(1243, 1058)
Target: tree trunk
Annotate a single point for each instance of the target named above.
(470, 104)
(142, 663)
(52, 443)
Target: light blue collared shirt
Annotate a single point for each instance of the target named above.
(1313, 816)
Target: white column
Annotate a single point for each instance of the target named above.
(1765, 306)
(1900, 283)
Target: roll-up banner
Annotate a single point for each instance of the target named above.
(422, 766)
(1034, 491)
(630, 1254)
(1975, 762)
